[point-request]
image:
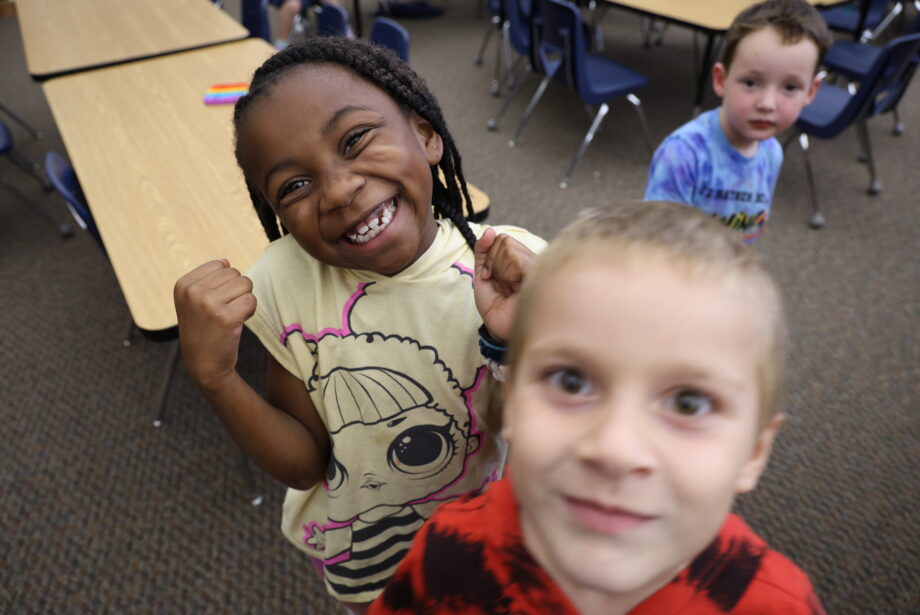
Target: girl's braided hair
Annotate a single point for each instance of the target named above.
(383, 68)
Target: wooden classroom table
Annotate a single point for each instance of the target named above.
(63, 36)
(712, 17)
(157, 167)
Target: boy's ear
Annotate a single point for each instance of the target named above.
(429, 139)
(813, 90)
(718, 79)
(755, 465)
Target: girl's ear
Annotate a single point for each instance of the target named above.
(755, 465)
(429, 139)
(718, 79)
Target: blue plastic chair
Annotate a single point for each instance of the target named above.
(834, 108)
(521, 28)
(331, 20)
(65, 181)
(595, 78)
(846, 18)
(853, 60)
(8, 150)
(388, 33)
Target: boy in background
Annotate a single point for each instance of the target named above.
(645, 361)
(726, 161)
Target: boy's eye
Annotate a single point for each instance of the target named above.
(570, 381)
(749, 83)
(792, 87)
(691, 403)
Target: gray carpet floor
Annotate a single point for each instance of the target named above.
(102, 513)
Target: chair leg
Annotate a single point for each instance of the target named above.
(165, 382)
(35, 134)
(492, 124)
(898, 128)
(510, 79)
(637, 105)
(597, 10)
(32, 169)
(496, 86)
(601, 112)
(496, 21)
(817, 218)
(507, 54)
(870, 35)
(529, 110)
(126, 342)
(875, 186)
(63, 229)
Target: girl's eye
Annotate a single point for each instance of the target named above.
(570, 381)
(792, 87)
(293, 186)
(691, 403)
(353, 138)
(750, 83)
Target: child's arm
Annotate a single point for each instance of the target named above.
(283, 433)
(501, 263)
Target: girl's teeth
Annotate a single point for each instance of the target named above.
(371, 229)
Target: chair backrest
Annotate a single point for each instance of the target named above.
(331, 20)
(388, 33)
(520, 15)
(894, 75)
(65, 181)
(880, 88)
(846, 17)
(562, 35)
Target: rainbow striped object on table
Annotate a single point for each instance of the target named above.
(225, 93)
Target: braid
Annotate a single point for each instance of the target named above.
(383, 68)
(266, 214)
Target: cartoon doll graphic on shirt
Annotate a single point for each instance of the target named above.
(406, 434)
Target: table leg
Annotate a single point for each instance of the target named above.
(359, 26)
(705, 69)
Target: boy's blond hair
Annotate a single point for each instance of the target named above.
(793, 19)
(679, 235)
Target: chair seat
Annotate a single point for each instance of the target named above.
(821, 118)
(608, 79)
(851, 59)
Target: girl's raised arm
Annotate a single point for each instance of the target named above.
(283, 433)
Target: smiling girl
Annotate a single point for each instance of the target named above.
(378, 404)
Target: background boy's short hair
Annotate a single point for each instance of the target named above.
(793, 19)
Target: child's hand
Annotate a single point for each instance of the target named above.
(501, 263)
(212, 303)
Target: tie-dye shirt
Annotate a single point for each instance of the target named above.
(470, 559)
(697, 165)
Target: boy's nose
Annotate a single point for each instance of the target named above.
(767, 99)
(341, 187)
(618, 443)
